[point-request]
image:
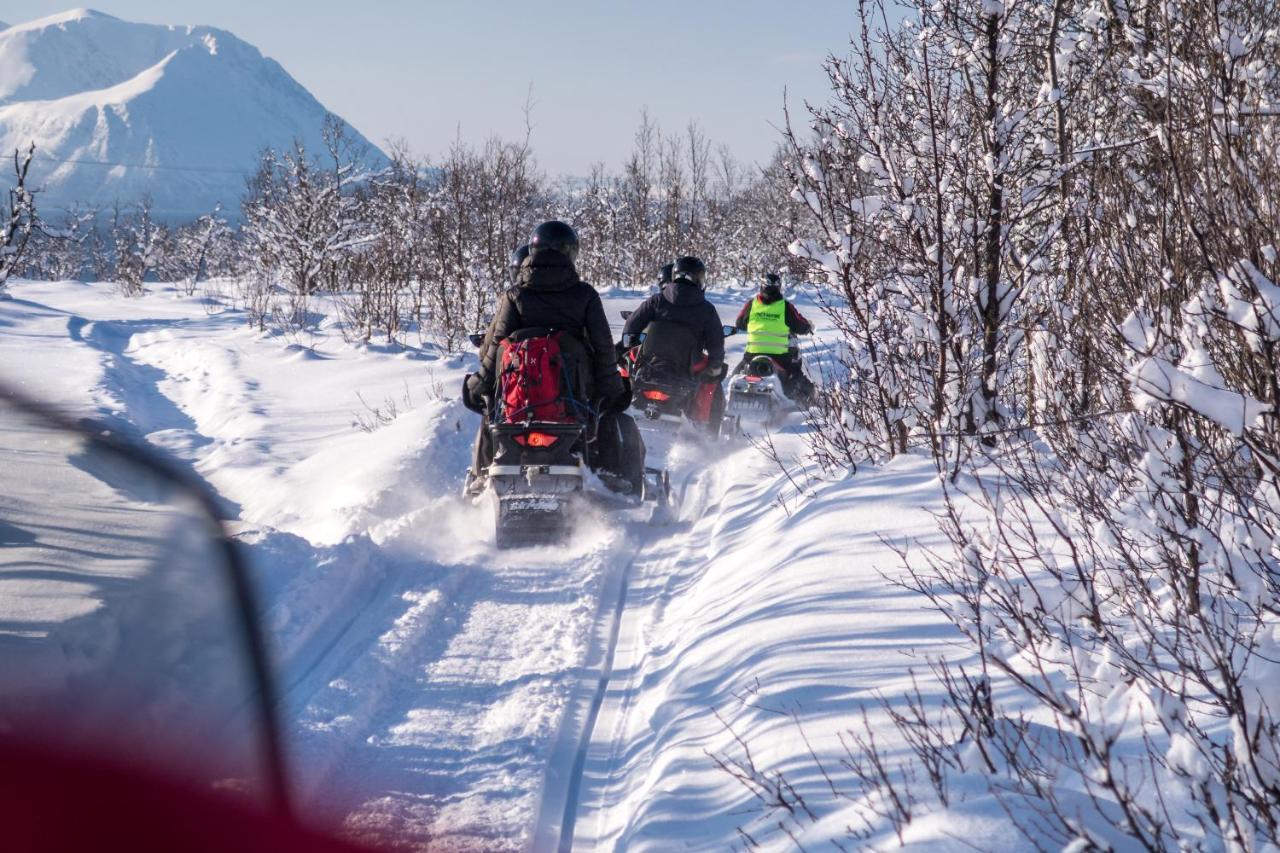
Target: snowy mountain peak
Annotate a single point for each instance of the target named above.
(60, 18)
(118, 109)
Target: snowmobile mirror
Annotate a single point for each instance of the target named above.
(128, 626)
(626, 315)
(476, 338)
(729, 331)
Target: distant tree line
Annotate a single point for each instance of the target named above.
(424, 244)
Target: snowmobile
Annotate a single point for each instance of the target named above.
(662, 400)
(756, 395)
(539, 473)
(540, 435)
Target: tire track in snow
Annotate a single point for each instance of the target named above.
(651, 582)
(559, 812)
(372, 659)
(569, 814)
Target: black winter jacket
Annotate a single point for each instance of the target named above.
(549, 293)
(686, 305)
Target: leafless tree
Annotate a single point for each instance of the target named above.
(21, 220)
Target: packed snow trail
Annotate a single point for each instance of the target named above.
(424, 671)
(442, 691)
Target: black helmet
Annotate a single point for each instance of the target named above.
(554, 236)
(772, 286)
(690, 269)
(517, 258)
(664, 274)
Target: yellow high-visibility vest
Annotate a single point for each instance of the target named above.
(767, 331)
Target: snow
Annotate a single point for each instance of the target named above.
(774, 614)
(1197, 385)
(437, 689)
(179, 112)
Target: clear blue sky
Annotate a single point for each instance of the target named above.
(423, 71)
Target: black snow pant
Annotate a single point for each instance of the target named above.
(483, 457)
(619, 449)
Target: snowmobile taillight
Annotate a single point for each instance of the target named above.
(754, 379)
(654, 394)
(536, 439)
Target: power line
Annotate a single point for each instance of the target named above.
(80, 162)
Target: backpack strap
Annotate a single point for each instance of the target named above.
(531, 332)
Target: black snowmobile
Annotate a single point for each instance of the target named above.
(541, 437)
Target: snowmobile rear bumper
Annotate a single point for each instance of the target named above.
(528, 519)
(535, 481)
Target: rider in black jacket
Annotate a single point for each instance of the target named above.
(684, 336)
(548, 293)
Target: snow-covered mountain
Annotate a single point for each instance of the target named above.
(118, 109)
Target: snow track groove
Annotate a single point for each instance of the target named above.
(582, 736)
(558, 808)
(570, 814)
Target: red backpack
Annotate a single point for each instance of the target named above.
(532, 384)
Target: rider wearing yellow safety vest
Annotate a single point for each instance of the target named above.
(771, 322)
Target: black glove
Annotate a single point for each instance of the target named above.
(474, 393)
(616, 398)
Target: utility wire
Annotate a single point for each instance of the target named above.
(38, 157)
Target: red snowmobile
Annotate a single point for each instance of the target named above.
(666, 393)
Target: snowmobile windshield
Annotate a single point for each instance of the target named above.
(126, 622)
